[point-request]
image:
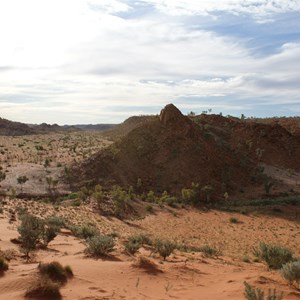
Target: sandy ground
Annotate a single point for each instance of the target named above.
(182, 276)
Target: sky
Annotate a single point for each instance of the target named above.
(101, 61)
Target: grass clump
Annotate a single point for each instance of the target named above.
(251, 293)
(3, 265)
(85, 231)
(56, 272)
(51, 277)
(208, 251)
(291, 273)
(274, 256)
(135, 242)
(44, 288)
(164, 248)
(100, 245)
(234, 220)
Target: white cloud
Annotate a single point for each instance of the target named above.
(68, 60)
(255, 7)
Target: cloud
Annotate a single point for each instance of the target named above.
(254, 7)
(101, 61)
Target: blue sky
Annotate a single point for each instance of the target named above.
(101, 61)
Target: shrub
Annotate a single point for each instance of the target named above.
(274, 256)
(234, 220)
(85, 231)
(291, 273)
(209, 251)
(55, 271)
(69, 271)
(49, 234)
(100, 245)
(120, 199)
(30, 230)
(135, 242)
(56, 221)
(251, 293)
(3, 265)
(164, 248)
(43, 288)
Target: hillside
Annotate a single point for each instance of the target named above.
(169, 152)
(172, 151)
(14, 128)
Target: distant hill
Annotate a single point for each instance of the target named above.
(129, 124)
(11, 128)
(14, 128)
(99, 127)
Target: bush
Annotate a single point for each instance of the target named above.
(85, 231)
(55, 271)
(100, 245)
(135, 242)
(56, 221)
(43, 288)
(49, 234)
(209, 251)
(164, 248)
(291, 273)
(234, 220)
(3, 265)
(30, 230)
(274, 256)
(251, 293)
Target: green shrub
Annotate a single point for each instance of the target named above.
(30, 230)
(234, 220)
(120, 199)
(85, 231)
(291, 273)
(209, 251)
(3, 265)
(56, 221)
(69, 271)
(149, 208)
(251, 293)
(55, 271)
(100, 245)
(49, 234)
(134, 242)
(274, 256)
(164, 248)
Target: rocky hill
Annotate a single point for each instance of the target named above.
(169, 152)
(14, 128)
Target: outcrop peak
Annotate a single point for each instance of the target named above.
(170, 114)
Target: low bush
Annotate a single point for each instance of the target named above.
(3, 265)
(251, 293)
(134, 242)
(100, 245)
(56, 221)
(164, 248)
(208, 250)
(55, 271)
(291, 273)
(85, 231)
(274, 256)
(43, 288)
(234, 220)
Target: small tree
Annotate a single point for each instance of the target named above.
(164, 248)
(52, 187)
(30, 230)
(207, 189)
(22, 180)
(2, 175)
